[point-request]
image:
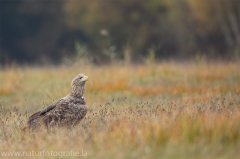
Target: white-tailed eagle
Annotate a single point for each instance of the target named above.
(67, 111)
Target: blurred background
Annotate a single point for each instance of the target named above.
(40, 31)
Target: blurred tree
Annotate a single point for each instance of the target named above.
(32, 30)
(218, 25)
(228, 14)
(136, 24)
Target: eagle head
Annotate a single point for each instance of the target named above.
(78, 85)
(79, 80)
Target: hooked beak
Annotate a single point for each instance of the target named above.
(85, 78)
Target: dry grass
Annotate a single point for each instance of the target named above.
(165, 110)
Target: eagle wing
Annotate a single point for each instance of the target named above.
(33, 120)
(66, 111)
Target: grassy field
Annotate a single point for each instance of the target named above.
(165, 110)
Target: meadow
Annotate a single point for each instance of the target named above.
(162, 110)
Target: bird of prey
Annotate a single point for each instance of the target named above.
(67, 111)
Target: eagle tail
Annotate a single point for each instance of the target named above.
(33, 122)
